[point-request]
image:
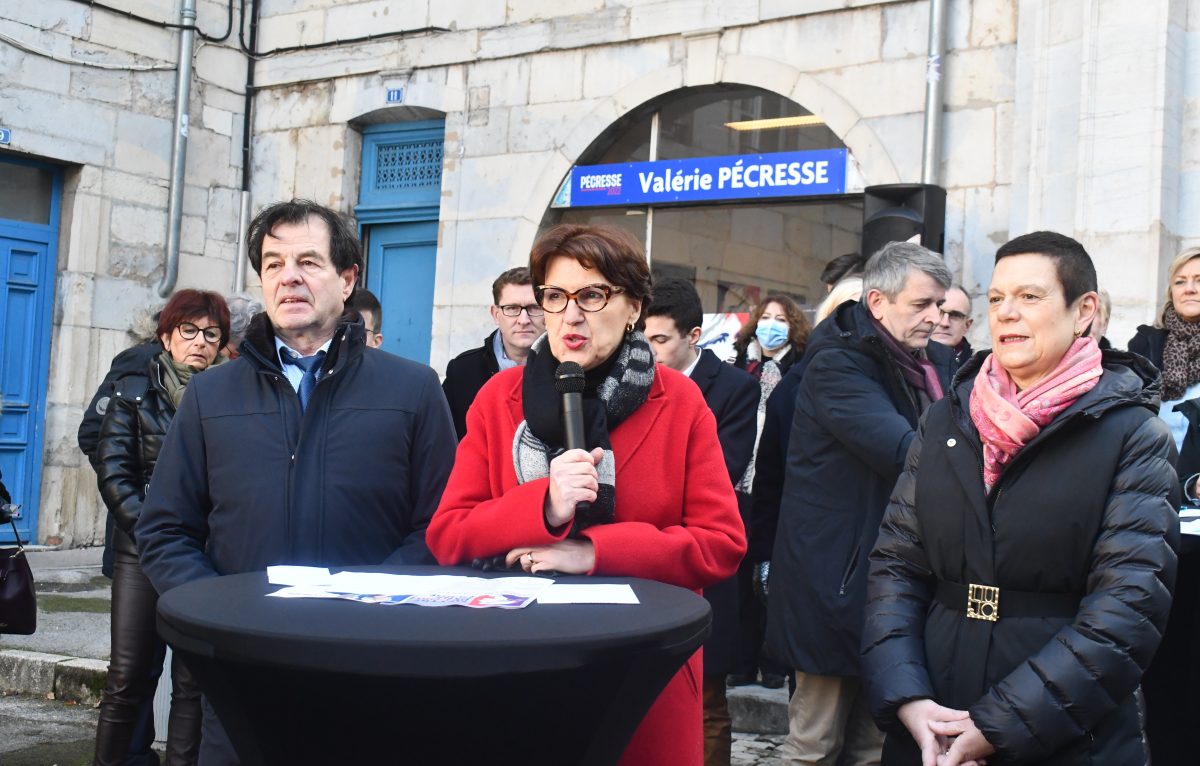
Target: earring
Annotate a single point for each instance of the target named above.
(629, 328)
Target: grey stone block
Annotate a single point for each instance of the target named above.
(31, 672)
(80, 680)
(758, 710)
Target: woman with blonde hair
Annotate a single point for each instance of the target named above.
(849, 289)
(1173, 345)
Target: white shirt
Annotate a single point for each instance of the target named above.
(691, 367)
(293, 373)
(502, 360)
(1176, 420)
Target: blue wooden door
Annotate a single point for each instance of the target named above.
(398, 200)
(28, 244)
(402, 257)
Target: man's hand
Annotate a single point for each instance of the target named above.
(919, 717)
(968, 747)
(573, 479)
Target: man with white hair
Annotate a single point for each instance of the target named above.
(870, 373)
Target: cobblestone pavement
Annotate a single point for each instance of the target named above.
(755, 749)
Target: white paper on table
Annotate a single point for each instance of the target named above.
(422, 585)
(1189, 521)
(303, 591)
(599, 593)
(293, 575)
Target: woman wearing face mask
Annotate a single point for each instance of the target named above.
(767, 346)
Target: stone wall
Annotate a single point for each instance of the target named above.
(101, 102)
(526, 87)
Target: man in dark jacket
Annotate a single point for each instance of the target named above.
(265, 463)
(673, 322)
(870, 371)
(519, 321)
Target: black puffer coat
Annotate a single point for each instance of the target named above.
(1084, 511)
(131, 434)
(854, 419)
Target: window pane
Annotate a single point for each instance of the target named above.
(738, 253)
(25, 193)
(631, 219)
(696, 125)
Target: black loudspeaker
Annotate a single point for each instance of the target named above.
(898, 212)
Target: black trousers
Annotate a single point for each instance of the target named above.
(136, 661)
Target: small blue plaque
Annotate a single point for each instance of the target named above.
(395, 95)
(5, 136)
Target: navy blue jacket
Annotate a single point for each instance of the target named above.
(855, 418)
(245, 479)
(732, 395)
(465, 375)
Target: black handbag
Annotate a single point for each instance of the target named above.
(18, 598)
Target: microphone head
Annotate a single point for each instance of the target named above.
(568, 378)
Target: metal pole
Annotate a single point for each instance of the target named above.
(241, 259)
(239, 273)
(931, 149)
(183, 92)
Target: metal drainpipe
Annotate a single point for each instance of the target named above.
(242, 259)
(183, 92)
(931, 149)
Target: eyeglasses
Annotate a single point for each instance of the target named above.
(187, 331)
(515, 309)
(587, 298)
(957, 316)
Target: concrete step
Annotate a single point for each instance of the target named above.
(757, 710)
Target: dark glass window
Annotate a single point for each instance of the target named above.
(25, 193)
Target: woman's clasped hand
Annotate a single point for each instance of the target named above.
(947, 737)
(563, 557)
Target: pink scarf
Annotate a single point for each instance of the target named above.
(1007, 419)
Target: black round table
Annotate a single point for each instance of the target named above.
(298, 681)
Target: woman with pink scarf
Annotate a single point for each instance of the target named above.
(1022, 577)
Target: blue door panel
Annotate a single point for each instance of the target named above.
(26, 298)
(402, 260)
(401, 186)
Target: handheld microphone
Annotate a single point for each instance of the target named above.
(569, 382)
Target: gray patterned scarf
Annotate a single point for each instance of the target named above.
(614, 391)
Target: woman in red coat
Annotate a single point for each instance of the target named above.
(661, 504)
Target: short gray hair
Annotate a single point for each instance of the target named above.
(887, 271)
(242, 308)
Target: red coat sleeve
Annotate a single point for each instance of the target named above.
(478, 517)
(706, 543)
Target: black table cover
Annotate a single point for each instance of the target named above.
(299, 681)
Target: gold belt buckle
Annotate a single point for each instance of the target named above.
(983, 602)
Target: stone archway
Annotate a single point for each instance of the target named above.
(869, 156)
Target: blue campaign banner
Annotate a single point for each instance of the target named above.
(737, 177)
